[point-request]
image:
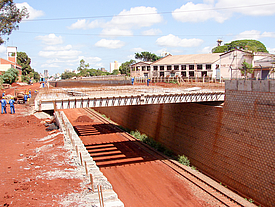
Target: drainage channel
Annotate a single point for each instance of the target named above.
(101, 191)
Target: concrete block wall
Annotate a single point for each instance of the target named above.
(234, 144)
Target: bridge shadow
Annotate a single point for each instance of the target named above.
(119, 153)
(95, 129)
(113, 153)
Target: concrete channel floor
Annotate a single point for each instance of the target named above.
(136, 176)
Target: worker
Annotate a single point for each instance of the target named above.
(148, 81)
(132, 80)
(11, 102)
(30, 91)
(25, 97)
(36, 91)
(3, 105)
(3, 94)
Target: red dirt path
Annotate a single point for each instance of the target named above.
(136, 176)
(26, 160)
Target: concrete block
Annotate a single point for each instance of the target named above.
(231, 85)
(272, 86)
(260, 85)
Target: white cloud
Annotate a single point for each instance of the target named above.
(268, 34)
(206, 50)
(174, 41)
(222, 10)
(247, 7)
(60, 53)
(3, 49)
(111, 44)
(152, 32)
(33, 13)
(116, 32)
(50, 66)
(137, 49)
(252, 34)
(271, 50)
(85, 24)
(137, 17)
(190, 12)
(50, 39)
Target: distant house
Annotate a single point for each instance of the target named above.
(10, 62)
(215, 65)
(141, 69)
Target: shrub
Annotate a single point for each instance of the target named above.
(183, 160)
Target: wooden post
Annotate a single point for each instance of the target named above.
(92, 182)
(80, 156)
(86, 169)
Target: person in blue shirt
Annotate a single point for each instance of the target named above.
(3, 105)
(3, 94)
(11, 102)
(148, 81)
(25, 97)
(133, 80)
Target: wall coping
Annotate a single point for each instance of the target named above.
(250, 85)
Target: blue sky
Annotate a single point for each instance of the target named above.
(58, 34)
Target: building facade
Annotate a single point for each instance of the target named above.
(10, 62)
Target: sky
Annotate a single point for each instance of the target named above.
(58, 34)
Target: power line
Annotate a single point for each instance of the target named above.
(125, 15)
(134, 35)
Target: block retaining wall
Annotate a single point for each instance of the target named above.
(235, 144)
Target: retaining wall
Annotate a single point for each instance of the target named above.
(235, 144)
(88, 83)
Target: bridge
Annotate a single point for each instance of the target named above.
(123, 100)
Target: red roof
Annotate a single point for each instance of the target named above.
(7, 62)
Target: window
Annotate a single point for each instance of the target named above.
(169, 67)
(203, 73)
(162, 68)
(208, 67)
(191, 67)
(155, 67)
(143, 68)
(146, 75)
(183, 74)
(199, 67)
(172, 74)
(176, 67)
(161, 74)
(183, 67)
(148, 68)
(191, 74)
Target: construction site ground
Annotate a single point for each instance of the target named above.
(37, 170)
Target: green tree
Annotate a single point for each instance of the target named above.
(246, 68)
(115, 72)
(250, 45)
(24, 61)
(83, 65)
(10, 76)
(125, 67)
(147, 56)
(10, 17)
(67, 75)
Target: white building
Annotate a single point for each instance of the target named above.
(114, 66)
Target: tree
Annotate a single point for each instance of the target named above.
(10, 17)
(147, 56)
(67, 75)
(10, 76)
(250, 45)
(125, 67)
(24, 61)
(115, 72)
(83, 65)
(246, 68)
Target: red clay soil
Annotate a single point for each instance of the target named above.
(26, 159)
(137, 177)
